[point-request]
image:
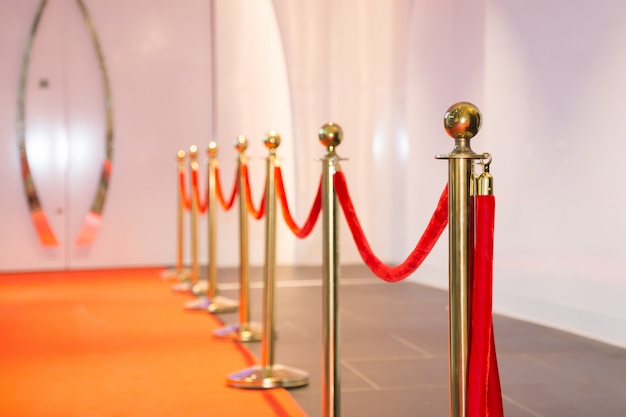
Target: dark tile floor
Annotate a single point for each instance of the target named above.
(394, 350)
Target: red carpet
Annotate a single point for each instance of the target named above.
(117, 343)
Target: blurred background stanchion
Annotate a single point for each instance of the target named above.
(268, 374)
(206, 290)
(244, 330)
(194, 272)
(462, 122)
(179, 272)
(201, 287)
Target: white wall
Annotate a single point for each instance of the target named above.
(252, 99)
(554, 95)
(546, 76)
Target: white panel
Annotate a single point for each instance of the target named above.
(46, 136)
(252, 99)
(158, 55)
(305, 30)
(445, 66)
(554, 93)
(346, 63)
(85, 119)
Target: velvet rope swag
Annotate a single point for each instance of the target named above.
(299, 231)
(195, 189)
(226, 205)
(182, 189)
(203, 203)
(307, 227)
(435, 227)
(256, 213)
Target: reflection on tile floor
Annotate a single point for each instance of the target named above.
(394, 351)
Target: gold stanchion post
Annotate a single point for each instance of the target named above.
(201, 286)
(268, 374)
(194, 273)
(330, 135)
(217, 303)
(462, 122)
(179, 273)
(207, 289)
(244, 331)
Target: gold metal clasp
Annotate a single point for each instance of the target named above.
(485, 179)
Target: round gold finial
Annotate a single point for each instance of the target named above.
(180, 155)
(211, 150)
(271, 140)
(330, 135)
(241, 143)
(462, 120)
(193, 151)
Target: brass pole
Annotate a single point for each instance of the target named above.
(216, 304)
(330, 135)
(268, 374)
(179, 272)
(206, 289)
(269, 318)
(241, 144)
(201, 287)
(244, 331)
(194, 272)
(180, 214)
(193, 167)
(194, 284)
(212, 232)
(461, 122)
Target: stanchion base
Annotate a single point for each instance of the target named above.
(215, 305)
(174, 274)
(275, 376)
(250, 332)
(183, 286)
(200, 303)
(220, 304)
(200, 288)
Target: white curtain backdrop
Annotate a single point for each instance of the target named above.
(346, 63)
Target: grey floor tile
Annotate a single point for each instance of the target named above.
(394, 349)
(403, 373)
(427, 402)
(589, 368)
(567, 399)
(525, 368)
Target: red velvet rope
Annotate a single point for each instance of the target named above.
(307, 227)
(435, 227)
(484, 395)
(226, 205)
(182, 189)
(195, 187)
(257, 214)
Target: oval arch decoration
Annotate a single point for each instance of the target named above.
(93, 218)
